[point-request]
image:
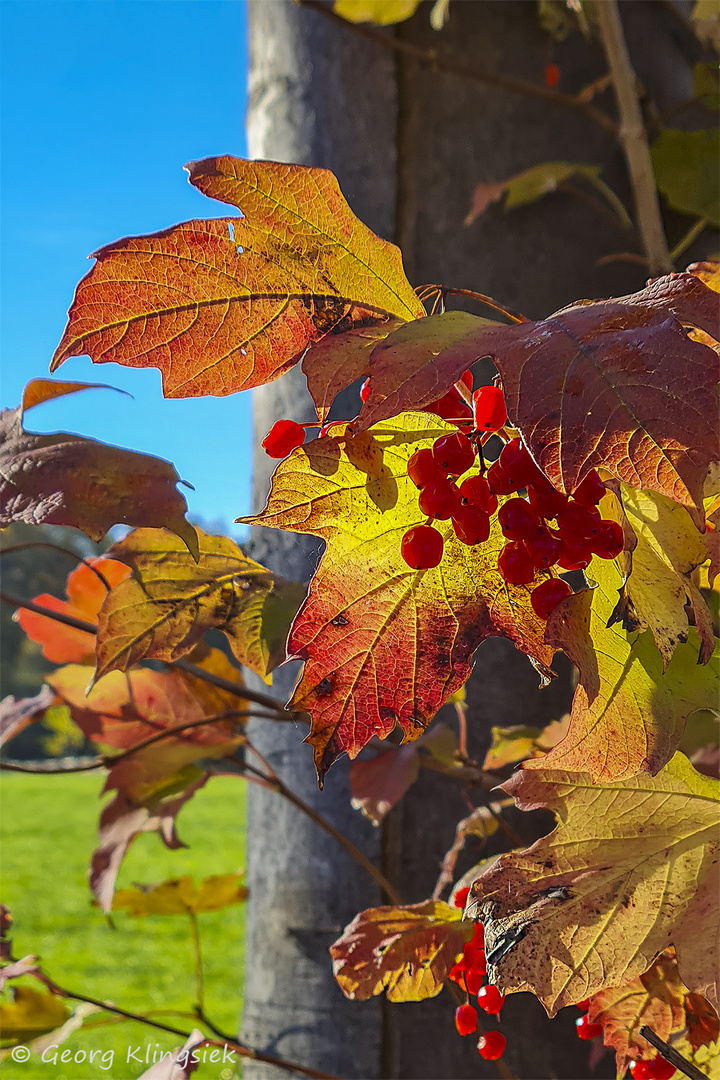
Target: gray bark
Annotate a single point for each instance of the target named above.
(408, 145)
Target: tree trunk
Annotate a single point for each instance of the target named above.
(409, 144)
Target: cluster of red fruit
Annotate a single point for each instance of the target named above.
(469, 974)
(532, 545)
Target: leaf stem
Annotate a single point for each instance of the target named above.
(671, 1055)
(691, 235)
(430, 58)
(634, 139)
(481, 298)
(197, 960)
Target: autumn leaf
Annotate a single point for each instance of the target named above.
(634, 720)
(338, 360)
(38, 391)
(31, 1013)
(379, 783)
(701, 1020)
(171, 601)
(384, 644)
(655, 998)
(87, 586)
(154, 783)
(382, 12)
(659, 584)
(534, 183)
(406, 951)
(615, 384)
(65, 479)
(223, 305)
(630, 869)
(510, 744)
(17, 713)
(687, 166)
(180, 896)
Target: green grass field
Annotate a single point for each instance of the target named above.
(48, 829)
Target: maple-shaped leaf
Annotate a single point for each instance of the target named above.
(406, 951)
(384, 644)
(701, 1021)
(153, 784)
(339, 359)
(628, 715)
(614, 384)
(659, 570)
(630, 869)
(180, 896)
(223, 305)
(87, 586)
(655, 998)
(65, 479)
(31, 1013)
(17, 713)
(171, 601)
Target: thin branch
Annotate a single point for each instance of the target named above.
(690, 236)
(634, 139)
(671, 1055)
(26, 767)
(56, 547)
(481, 298)
(238, 689)
(623, 256)
(233, 1044)
(431, 59)
(197, 961)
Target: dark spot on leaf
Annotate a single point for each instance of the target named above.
(339, 620)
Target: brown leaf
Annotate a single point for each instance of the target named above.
(615, 384)
(336, 361)
(171, 601)
(65, 479)
(223, 305)
(407, 951)
(701, 1020)
(379, 783)
(17, 713)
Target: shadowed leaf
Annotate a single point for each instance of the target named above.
(385, 644)
(687, 171)
(223, 305)
(405, 951)
(339, 359)
(630, 869)
(17, 713)
(378, 784)
(527, 186)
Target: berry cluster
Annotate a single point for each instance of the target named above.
(532, 544)
(469, 973)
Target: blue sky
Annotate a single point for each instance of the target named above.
(103, 103)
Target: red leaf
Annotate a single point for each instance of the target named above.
(378, 784)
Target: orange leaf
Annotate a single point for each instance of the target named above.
(86, 592)
(223, 305)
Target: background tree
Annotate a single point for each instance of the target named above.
(409, 140)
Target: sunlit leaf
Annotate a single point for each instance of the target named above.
(630, 869)
(405, 951)
(171, 601)
(86, 589)
(636, 718)
(382, 12)
(223, 305)
(385, 644)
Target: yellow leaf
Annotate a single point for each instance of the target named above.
(31, 1013)
(630, 869)
(179, 896)
(381, 12)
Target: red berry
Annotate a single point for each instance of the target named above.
(440, 500)
(474, 979)
(457, 973)
(477, 491)
(422, 469)
(478, 938)
(591, 490)
(491, 1045)
(472, 524)
(585, 1029)
(518, 520)
(490, 999)
(544, 548)
(422, 547)
(608, 541)
(575, 554)
(515, 564)
(499, 481)
(517, 463)
(547, 501)
(546, 597)
(365, 390)
(584, 1004)
(454, 453)
(283, 437)
(452, 406)
(582, 521)
(641, 1070)
(552, 75)
(466, 1019)
(460, 898)
(489, 408)
(661, 1068)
